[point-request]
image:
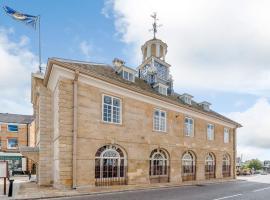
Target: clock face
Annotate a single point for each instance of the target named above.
(145, 70)
(162, 71)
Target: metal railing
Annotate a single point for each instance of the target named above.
(189, 173)
(226, 170)
(112, 175)
(210, 171)
(159, 174)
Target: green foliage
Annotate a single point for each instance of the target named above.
(255, 164)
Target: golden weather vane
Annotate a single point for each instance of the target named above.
(155, 25)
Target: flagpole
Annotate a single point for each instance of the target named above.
(39, 44)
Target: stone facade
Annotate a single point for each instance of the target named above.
(70, 129)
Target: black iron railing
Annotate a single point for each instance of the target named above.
(210, 171)
(110, 175)
(226, 170)
(189, 173)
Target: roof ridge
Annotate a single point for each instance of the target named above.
(76, 61)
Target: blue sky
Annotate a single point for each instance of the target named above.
(218, 51)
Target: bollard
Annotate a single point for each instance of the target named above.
(10, 190)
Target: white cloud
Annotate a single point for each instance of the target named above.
(216, 45)
(254, 137)
(16, 64)
(86, 49)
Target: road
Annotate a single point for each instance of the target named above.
(238, 190)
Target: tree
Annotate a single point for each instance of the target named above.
(255, 164)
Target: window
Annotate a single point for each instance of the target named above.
(226, 135)
(128, 76)
(226, 166)
(160, 120)
(187, 100)
(12, 128)
(210, 166)
(159, 165)
(111, 109)
(162, 90)
(210, 132)
(188, 167)
(110, 166)
(12, 143)
(189, 127)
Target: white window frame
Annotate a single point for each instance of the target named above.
(159, 121)
(120, 111)
(129, 74)
(226, 135)
(161, 90)
(186, 130)
(12, 131)
(212, 133)
(12, 147)
(187, 100)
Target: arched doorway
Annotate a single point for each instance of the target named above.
(159, 166)
(188, 166)
(226, 166)
(210, 166)
(110, 166)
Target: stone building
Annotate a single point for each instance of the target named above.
(15, 131)
(99, 125)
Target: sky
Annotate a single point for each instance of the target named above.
(218, 51)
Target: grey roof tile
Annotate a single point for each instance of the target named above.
(16, 118)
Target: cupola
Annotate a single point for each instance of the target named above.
(154, 47)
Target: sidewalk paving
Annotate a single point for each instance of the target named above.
(30, 190)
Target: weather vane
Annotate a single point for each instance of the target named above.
(155, 25)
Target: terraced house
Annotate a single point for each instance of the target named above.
(99, 125)
(15, 131)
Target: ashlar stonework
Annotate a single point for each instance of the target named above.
(70, 128)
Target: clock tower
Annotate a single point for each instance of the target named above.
(154, 69)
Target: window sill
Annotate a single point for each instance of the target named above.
(164, 132)
(111, 123)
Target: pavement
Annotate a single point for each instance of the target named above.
(255, 187)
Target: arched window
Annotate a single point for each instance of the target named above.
(188, 167)
(210, 166)
(110, 166)
(226, 166)
(159, 166)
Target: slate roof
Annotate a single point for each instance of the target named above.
(16, 118)
(107, 73)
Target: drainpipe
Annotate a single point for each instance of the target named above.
(75, 130)
(234, 151)
(27, 144)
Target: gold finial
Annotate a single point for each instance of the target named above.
(155, 25)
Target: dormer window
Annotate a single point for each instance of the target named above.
(205, 105)
(127, 73)
(187, 98)
(162, 89)
(128, 76)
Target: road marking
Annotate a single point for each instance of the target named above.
(227, 197)
(267, 188)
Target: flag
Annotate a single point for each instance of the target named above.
(25, 18)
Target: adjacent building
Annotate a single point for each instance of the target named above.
(97, 125)
(14, 132)
(266, 166)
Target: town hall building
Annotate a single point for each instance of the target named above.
(102, 125)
